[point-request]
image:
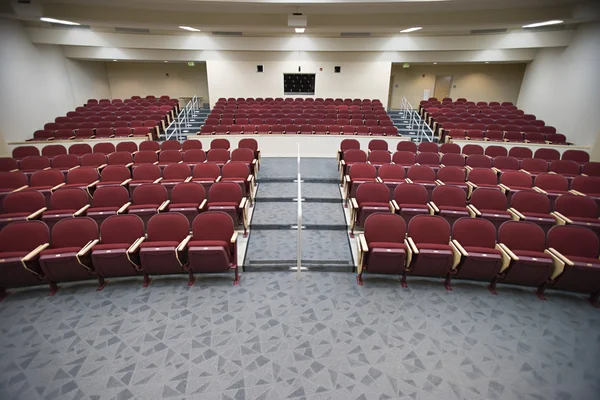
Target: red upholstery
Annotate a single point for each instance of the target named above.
(186, 198)
(478, 238)
(359, 172)
(170, 145)
(384, 234)
(412, 200)
(407, 146)
(19, 205)
(372, 197)
(470, 149)
(535, 207)
(496, 151)
(451, 201)
(431, 235)
(63, 204)
(226, 197)
(146, 199)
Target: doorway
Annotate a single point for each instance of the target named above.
(442, 87)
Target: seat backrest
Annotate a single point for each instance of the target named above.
(13, 180)
(474, 232)
(68, 199)
(579, 156)
(406, 145)
(355, 156)
(74, 232)
(421, 173)
(469, 149)
(242, 154)
(251, 144)
(206, 170)
(547, 154)
(35, 162)
(380, 157)
(391, 172)
(142, 157)
(225, 192)
(530, 202)
(382, 227)
(48, 177)
(576, 206)
(82, 175)
(403, 157)
(362, 170)
(448, 195)
(410, 193)
(170, 145)
(378, 144)
(522, 235)
(170, 156)
(586, 184)
(485, 176)
(496, 151)
(110, 196)
(535, 165)
(431, 229)
(429, 158)
(428, 147)
(121, 158)
(591, 168)
(450, 148)
(188, 192)
(489, 199)
(23, 236)
(177, 171)
(190, 144)
(149, 145)
(125, 228)
(520, 152)
(104, 148)
(451, 174)
(516, 179)
(564, 167)
(8, 164)
(115, 173)
(453, 160)
(479, 161)
(168, 227)
(20, 152)
(65, 161)
(53, 150)
(131, 147)
(235, 169)
(220, 144)
(548, 181)
(146, 172)
(218, 155)
(150, 193)
(572, 240)
(372, 192)
(213, 225)
(80, 149)
(20, 202)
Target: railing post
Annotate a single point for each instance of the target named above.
(299, 244)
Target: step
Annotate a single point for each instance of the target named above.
(274, 215)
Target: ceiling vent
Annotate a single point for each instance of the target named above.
(355, 34)
(63, 26)
(221, 33)
(132, 30)
(488, 31)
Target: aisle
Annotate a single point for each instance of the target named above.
(273, 239)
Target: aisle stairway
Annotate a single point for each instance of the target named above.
(273, 230)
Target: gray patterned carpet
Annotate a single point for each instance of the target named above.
(274, 337)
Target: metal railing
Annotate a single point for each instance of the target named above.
(424, 132)
(299, 244)
(183, 120)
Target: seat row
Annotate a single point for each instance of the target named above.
(386, 129)
(146, 128)
(295, 119)
(522, 135)
(150, 99)
(518, 252)
(144, 198)
(297, 100)
(74, 249)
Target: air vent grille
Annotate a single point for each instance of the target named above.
(355, 34)
(222, 33)
(488, 31)
(132, 30)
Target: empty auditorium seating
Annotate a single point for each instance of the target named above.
(490, 204)
(423, 175)
(65, 203)
(382, 248)
(371, 198)
(449, 202)
(147, 200)
(576, 210)
(108, 200)
(453, 176)
(227, 197)
(46, 182)
(588, 186)
(409, 200)
(358, 173)
(532, 206)
(189, 199)
(21, 206)
(143, 174)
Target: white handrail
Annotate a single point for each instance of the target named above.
(299, 245)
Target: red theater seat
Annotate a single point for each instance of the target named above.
(371, 198)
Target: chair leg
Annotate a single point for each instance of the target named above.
(53, 288)
(101, 283)
(594, 297)
(236, 280)
(539, 292)
(3, 293)
(492, 286)
(359, 279)
(147, 280)
(192, 278)
(403, 280)
(447, 282)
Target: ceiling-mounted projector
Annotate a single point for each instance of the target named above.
(297, 20)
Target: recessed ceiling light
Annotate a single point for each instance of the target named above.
(537, 24)
(115, 60)
(487, 62)
(58, 21)
(416, 28)
(300, 30)
(434, 63)
(166, 61)
(189, 28)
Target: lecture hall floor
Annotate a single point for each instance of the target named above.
(275, 337)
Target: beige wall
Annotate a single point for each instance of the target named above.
(477, 82)
(143, 79)
(88, 80)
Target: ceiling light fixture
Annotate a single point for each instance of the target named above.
(58, 21)
(300, 30)
(115, 60)
(487, 62)
(415, 28)
(166, 61)
(189, 28)
(538, 24)
(434, 63)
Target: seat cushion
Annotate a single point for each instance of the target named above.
(433, 246)
(159, 244)
(531, 254)
(111, 246)
(495, 213)
(482, 250)
(222, 204)
(102, 209)
(51, 213)
(148, 207)
(386, 245)
(538, 215)
(584, 260)
(14, 215)
(184, 205)
(374, 204)
(208, 243)
(61, 250)
(452, 208)
(407, 205)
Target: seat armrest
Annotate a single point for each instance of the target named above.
(362, 242)
(439, 183)
(408, 180)
(468, 168)
(126, 182)
(496, 170)
(504, 248)
(158, 180)
(561, 219)
(573, 191)
(184, 243)
(19, 189)
(101, 167)
(347, 179)
(559, 262)
(86, 249)
(188, 179)
(524, 170)
(233, 237)
(353, 203)
(218, 179)
(129, 165)
(473, 211)
(124, 208)
(202, 205)
(57, 186)
(243, 202)
(163, 206)
(75, 167)
(433, 209)
(517, 216)
(505, 189)
(35, 252)
(81, 210)
(412, 245)
(47, 168)
(343, 163)
(540, 190)
(391, 206)
(378, 179)
(457, 252)
(395, 205)
(93, 184)
(136, 245)
(36, 214)
(459, 247)
(249, 178)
